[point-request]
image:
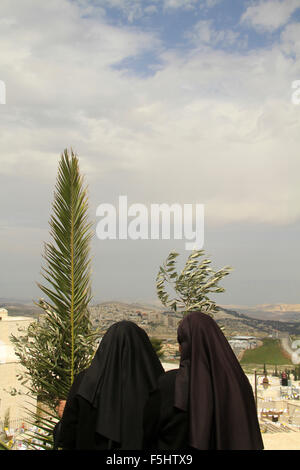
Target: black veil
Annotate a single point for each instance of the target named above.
(123, 372)
(213, 388)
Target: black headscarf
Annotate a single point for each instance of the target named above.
(213, 388)
(118, 382)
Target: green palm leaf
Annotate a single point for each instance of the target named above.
(62, 342)
(3, 446)
(68, 263)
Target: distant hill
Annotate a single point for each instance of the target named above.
(133, 305)
(274, 312)
(20, 309)
(234, 322)
(240, 322)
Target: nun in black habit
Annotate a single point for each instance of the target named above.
(104, 409)
(206, 404)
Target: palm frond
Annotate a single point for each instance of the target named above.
(3, 446)
(62, 342)
(68, 263)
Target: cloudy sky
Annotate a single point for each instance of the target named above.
(165, 101)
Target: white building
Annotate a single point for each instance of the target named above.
(243, 342)
(10, 367)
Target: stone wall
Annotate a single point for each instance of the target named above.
(10, 367)
(8, 382)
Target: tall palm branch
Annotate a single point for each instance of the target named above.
(68, 268)
(62, 342)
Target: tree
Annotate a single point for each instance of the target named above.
(157, 346)
(62, 342)
(192, 285)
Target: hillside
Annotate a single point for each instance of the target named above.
(269, 353)
(21, 309)
(276, 312)
(234, 322)
(238, 323)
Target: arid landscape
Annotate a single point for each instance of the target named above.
(260, 320)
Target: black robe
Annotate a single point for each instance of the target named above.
(165, 427)
(213, 388)
(104, 409)
(80, 415)
(206, 404)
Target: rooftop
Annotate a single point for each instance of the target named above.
(4, 317)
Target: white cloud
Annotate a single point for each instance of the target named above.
(269, 15)
(151, 9)
(209, 127)
(210, 3)
(131, 9)
(185, 4)
(136, 9)
(203, 32)
(190, 4)
(290, 41)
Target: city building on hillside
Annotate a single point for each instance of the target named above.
(243, 342)
(153, 321)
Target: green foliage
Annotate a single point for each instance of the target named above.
(157, 346)
(3, 446)
(41, 423)
(269, 353)
(192, 285)
(296, 373)
(62, 342)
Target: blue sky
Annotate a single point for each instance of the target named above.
(175, 26)
(169, 101)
